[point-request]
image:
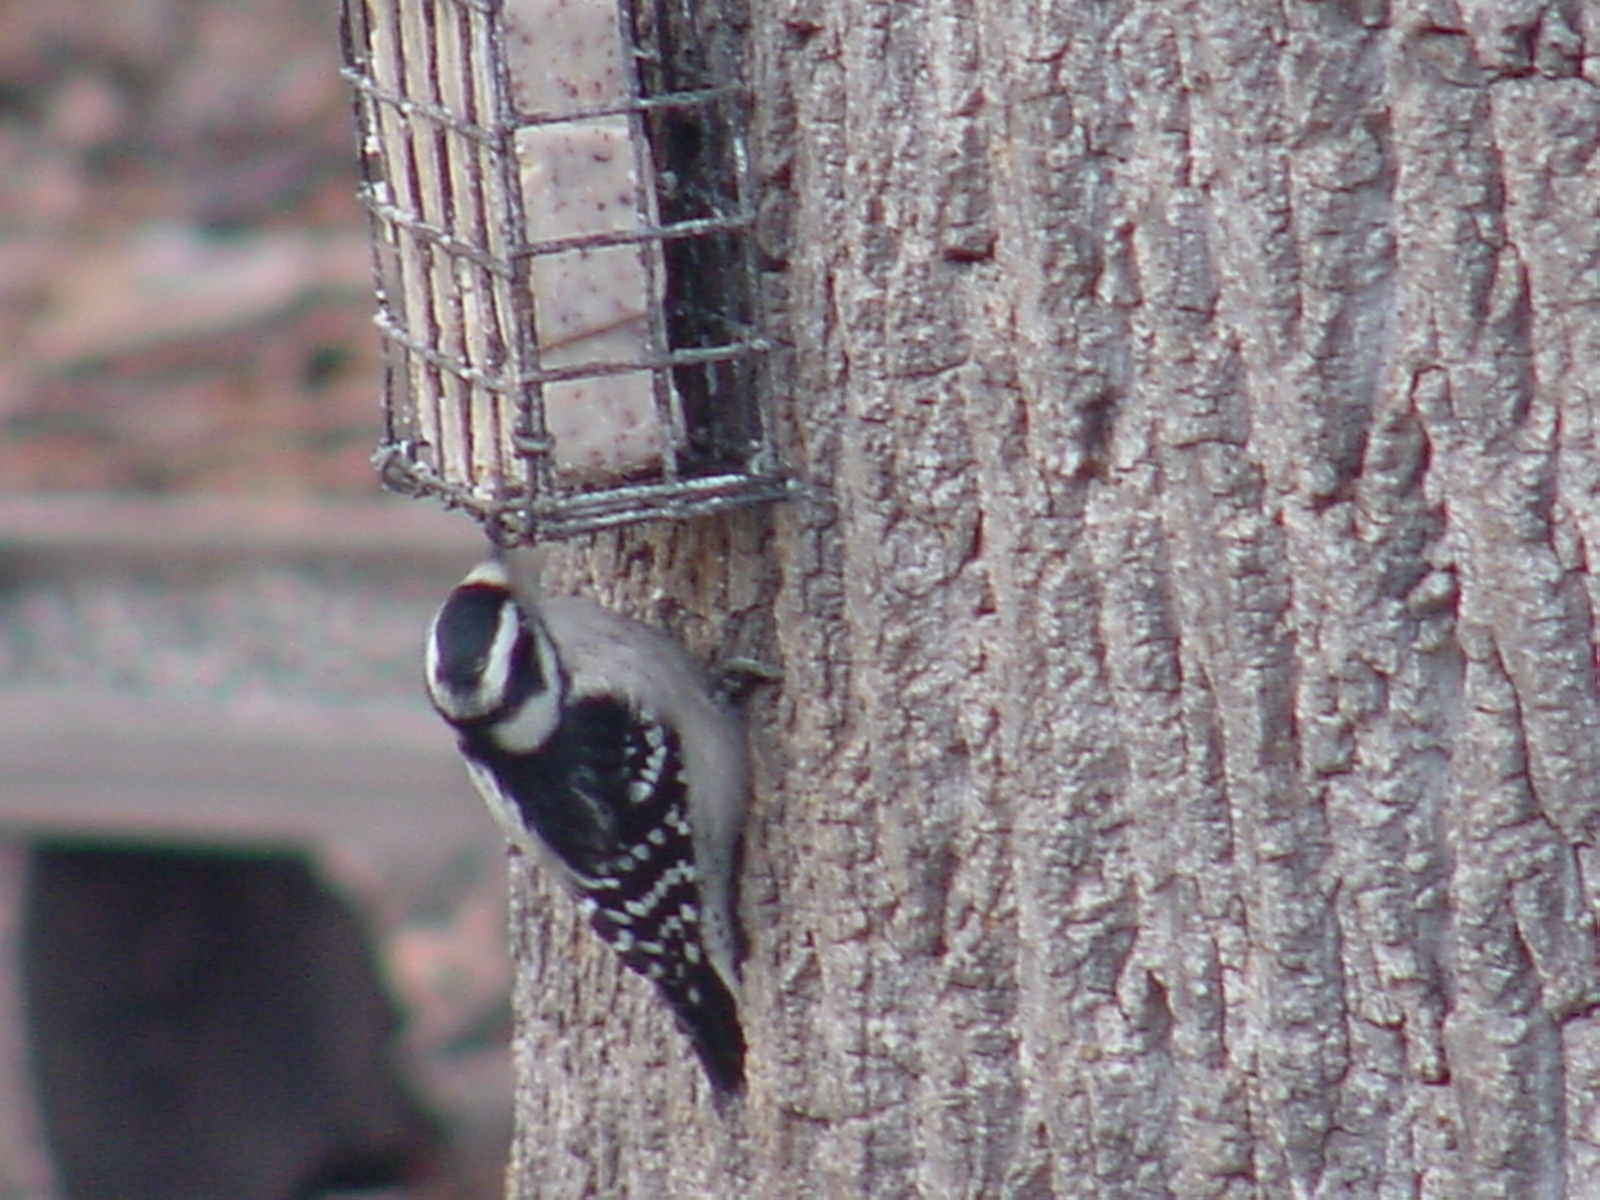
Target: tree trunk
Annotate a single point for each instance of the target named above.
(1184, 777)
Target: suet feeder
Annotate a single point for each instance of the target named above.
(561, 218)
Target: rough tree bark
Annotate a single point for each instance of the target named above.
(1185, 775)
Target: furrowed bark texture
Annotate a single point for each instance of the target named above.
(1186, 770)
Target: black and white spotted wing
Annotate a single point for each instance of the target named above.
(607, 794)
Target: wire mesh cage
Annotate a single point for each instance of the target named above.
(561, 218)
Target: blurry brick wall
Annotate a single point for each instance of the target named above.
(184, 283)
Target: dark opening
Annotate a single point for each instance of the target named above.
(206, 1024)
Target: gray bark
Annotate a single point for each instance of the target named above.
(1184, 779)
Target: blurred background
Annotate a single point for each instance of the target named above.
(251, 917)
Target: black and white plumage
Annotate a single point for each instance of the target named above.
(601, 750)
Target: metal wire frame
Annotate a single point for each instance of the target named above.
(464, 398)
